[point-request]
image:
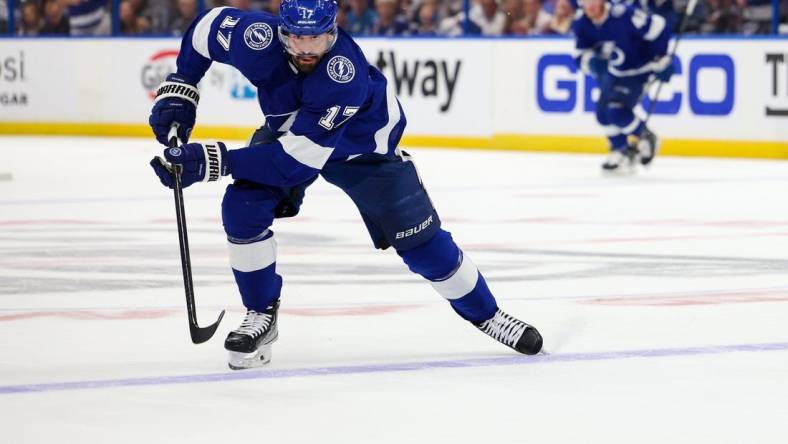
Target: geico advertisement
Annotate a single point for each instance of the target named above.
(721, 89)
(444, 85)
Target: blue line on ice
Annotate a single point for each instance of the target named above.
(393, 367)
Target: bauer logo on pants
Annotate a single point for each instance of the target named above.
(415, 230)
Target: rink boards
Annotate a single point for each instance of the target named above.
(728, 98)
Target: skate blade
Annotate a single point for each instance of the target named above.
(244, 361)
(620, 172)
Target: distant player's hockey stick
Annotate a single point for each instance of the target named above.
(198, 334)
(688, 10)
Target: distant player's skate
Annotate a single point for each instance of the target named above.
(619, 163)
(512, 332)
(645, 146)
(250, 344)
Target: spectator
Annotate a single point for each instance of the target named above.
(243, 5)
(488, 16)
(89, 17)
(360, 18)
(186, 12)
(783, 26)
(427, 19)
(272, 6)
(536, 20)
(561, 22)
(513, 9)
(389, 22)
(131, 20)
(3, 16)
(756, 16)
(448, 8)
(406, 8)
(160, 14)
(722, 17)
(55, 20)
(30, 25)
(341, 16)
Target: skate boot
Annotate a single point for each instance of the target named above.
(647, 146)
(250, 344)
(619, 162)
(512, 332)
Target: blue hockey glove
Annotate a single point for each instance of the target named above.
(663, 69)
(201, 163)
(176, 102)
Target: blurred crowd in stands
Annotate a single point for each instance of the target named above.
(370, 17)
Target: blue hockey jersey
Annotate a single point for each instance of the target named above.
(629, 38)
(661, 7)
(344, 108)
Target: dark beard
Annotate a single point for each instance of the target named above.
(305, 68)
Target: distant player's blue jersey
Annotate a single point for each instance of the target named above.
(629, 38)
(662, 7)
(652, 6)
(343, 109)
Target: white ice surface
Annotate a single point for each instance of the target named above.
(662, 297)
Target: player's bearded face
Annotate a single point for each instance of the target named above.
(307, 50)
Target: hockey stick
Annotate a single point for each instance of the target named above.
(198, 334)
(688, 10)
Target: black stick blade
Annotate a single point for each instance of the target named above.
(202, 334)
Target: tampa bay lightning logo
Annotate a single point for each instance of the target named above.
(617, 57)
(258, 36)
(340, 69)
(175, 152)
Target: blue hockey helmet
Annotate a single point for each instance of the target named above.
(308, 17)
(299, 19)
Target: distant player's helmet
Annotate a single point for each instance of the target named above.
(307, 18)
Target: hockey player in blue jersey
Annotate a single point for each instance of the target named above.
(622, 47)
(328, 113)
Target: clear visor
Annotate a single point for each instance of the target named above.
(307, 45)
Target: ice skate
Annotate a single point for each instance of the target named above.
(512, 332)
(619, 162)
(647, 146)
(250, 344)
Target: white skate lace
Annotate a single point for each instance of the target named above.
(504, 328)
(254, 324)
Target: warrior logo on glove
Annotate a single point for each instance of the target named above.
(201, 162)
(212, 153)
